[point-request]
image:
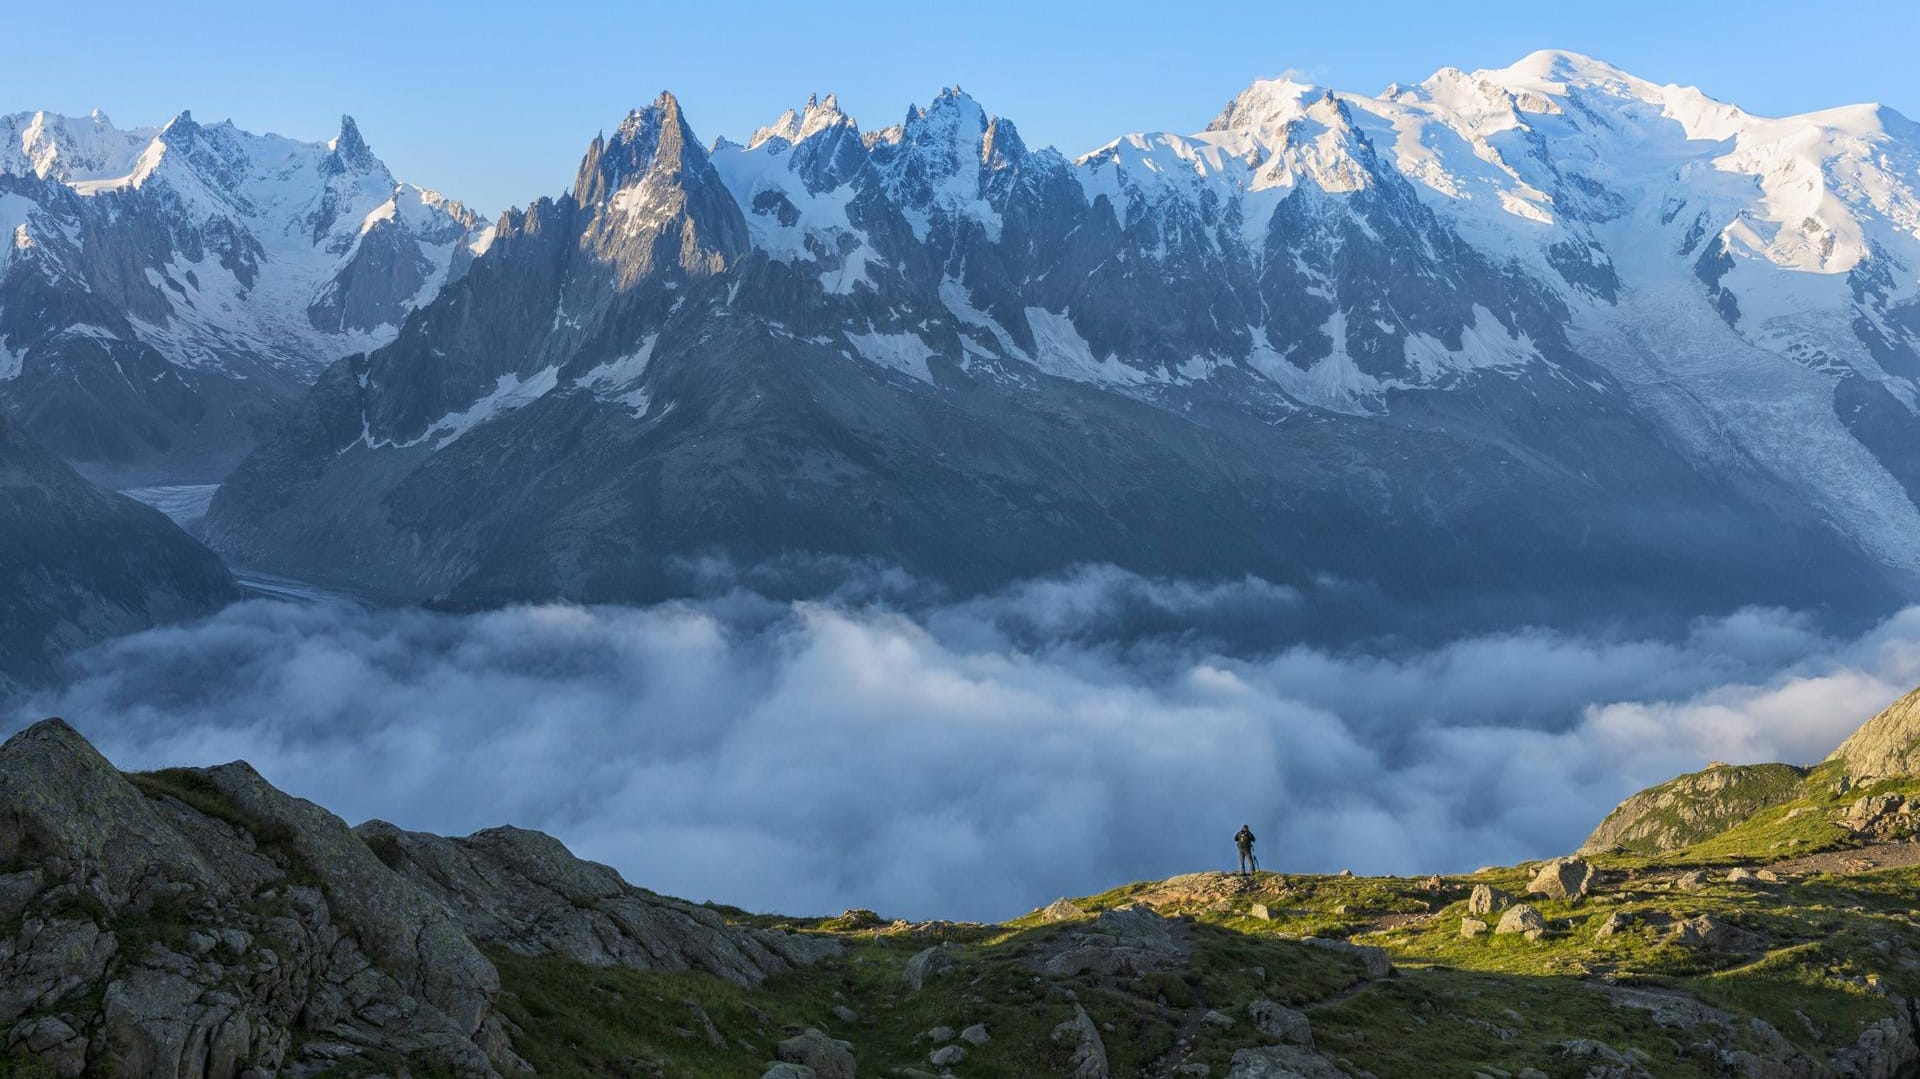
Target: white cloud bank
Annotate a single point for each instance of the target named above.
(974, 760)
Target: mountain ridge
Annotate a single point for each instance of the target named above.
(166, 292)
(1538, 280)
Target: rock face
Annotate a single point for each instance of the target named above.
(835, 346)
(525, 891)
(200, 923)
(78, 565)
(1886, 745)
(1694, 807)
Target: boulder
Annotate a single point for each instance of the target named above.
(1060, 910)
(1487, 900)
(1375, 960)
(825, 1057)
(784, 1070)
(1089, 1052)
(1706, 931)
(1217, 1019)
(947, 1056)
(1521, 918)
(1562, 878)
(1281, 1022)
(1615, 924)
(1472, 927)
(976, 1034)
(1260, 911)
(928, 964)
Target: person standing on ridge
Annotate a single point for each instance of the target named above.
(1244, 840)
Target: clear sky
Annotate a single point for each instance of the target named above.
(493, 101)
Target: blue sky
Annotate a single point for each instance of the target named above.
(493, 102)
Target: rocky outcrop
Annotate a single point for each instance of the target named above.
(1125, 940)
(1694, 807)
(523, 890)
(200, 923)
(1886, 745)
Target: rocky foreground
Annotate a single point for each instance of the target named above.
(198, 922)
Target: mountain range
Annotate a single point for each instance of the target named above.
(167, 293)
(1545, 343)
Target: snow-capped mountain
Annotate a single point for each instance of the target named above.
(166, 291)
(1537, 340)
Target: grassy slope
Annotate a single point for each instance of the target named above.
(1828, 949)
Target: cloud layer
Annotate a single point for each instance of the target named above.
(970, 760)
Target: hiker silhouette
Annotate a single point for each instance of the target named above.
(1243, 839)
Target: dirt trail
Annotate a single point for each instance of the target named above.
(1857, 860)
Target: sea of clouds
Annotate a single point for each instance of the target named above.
(967, 759)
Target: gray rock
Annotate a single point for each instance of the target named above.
(785, 1070)
(1089, 1051)
(526, 891)
(947, 1056)
(1282, 1062)
(1260, 911)
(1126, 940)
(928, 964)
(976, 1034)
(845, 1014)
(1472, 927)
(826, 1057)
(1521, 918)
(1060, 910)
(1614, 924)
(939, 1034)
(1375, 960)
(1706, 931)
(1562, 878)
(1217, 1019)
(1487, 900)
(1281, 1022)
